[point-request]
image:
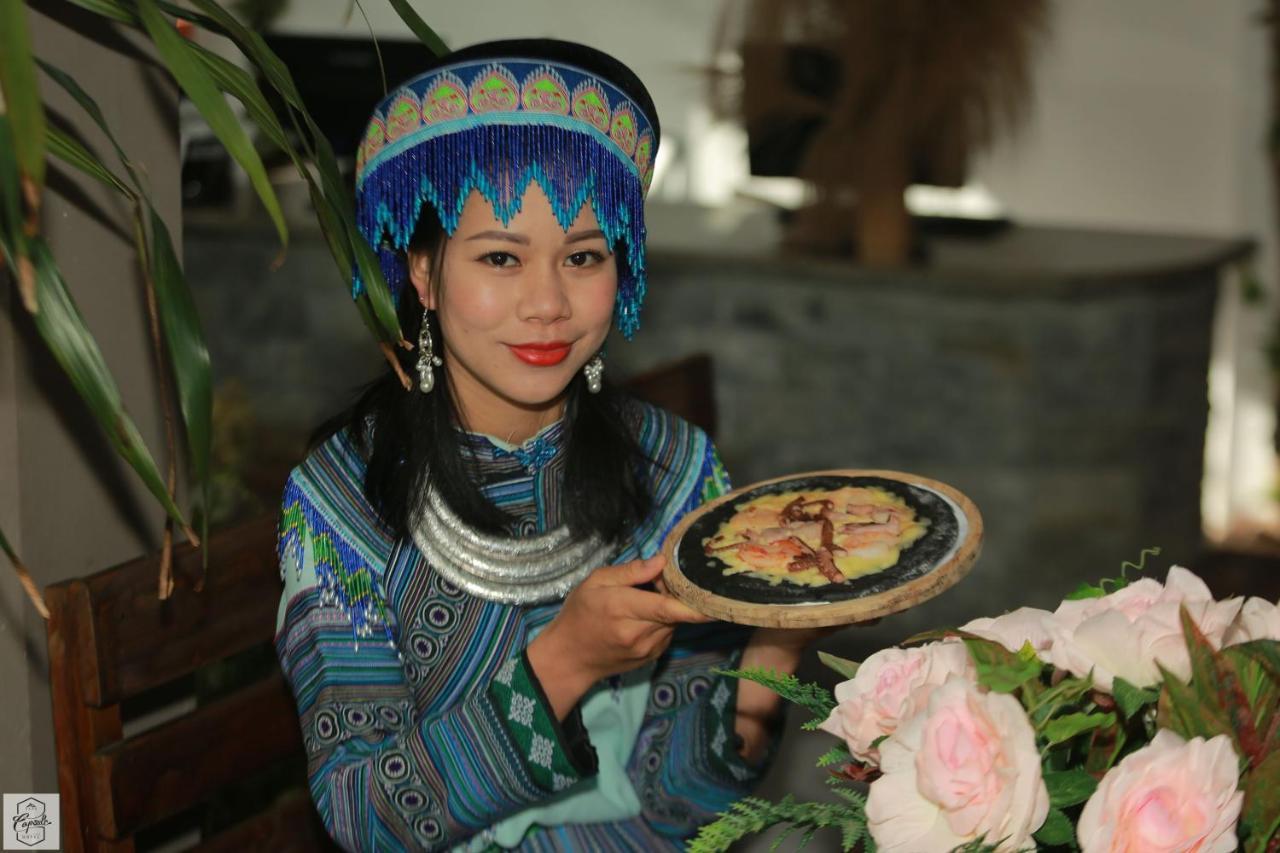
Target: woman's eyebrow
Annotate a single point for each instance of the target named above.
(593, 234)
(508, 236)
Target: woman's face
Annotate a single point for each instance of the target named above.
(522, 308)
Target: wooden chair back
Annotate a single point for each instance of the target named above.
(685, 387)
(112, 642)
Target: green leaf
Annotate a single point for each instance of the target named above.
(1052, 700)
(1056, 831)
(1064, 728)
(835, 755)
(1261, 685)
(179, 320)
(816, 698)
(1130, 698)
(21, 94)
(108, 9)
(1069, 787)
(751, 815)
(425, 34)
(1265, 652)
(933, 635)
(255, 48)
(188, 355)
(71, 151)
(1105, 746)
(1261, 813)
(999, 669)
(63, 331)
(1216, 684)
(1085, 590)
(179, 57)
(11, 219)
(847, 668)
(1182, 710)
(238, 83)
(90, 106)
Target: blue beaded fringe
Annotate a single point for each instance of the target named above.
(500, 161)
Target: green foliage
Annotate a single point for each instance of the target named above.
(63, 330)
(1068, 726)
(835, 755)
(847, 668)
(1049, 702)
(1056, 831)
(206, 78)
(1260, 818)
(1109, 585)
(814, 697)
(999, 669)
(1069, 787)
(188, 356)
(179, 57)
(19, 95)
(751, 815)
(1130, 698)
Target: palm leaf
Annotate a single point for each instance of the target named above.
(425, 34)
(188, 355)
(333, 189)
(21, 94)
(195, 81)
(65, 334)
(72, 152)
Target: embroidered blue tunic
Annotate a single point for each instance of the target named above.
(424, 725)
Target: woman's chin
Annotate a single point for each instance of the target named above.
(539, 392)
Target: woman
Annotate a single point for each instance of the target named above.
(472, 622)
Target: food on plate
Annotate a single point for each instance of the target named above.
(816, 537)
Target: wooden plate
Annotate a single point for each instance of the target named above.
(931, 564)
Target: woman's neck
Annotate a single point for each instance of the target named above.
(483, 410)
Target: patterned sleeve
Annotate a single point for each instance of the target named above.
(383, 776)
(685, 766)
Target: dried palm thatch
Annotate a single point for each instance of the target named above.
(902, 91)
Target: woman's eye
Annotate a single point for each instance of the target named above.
(585, 259)
(499, 259)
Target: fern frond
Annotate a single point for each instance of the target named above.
(751, 815)
(835, 755)
(814, 697)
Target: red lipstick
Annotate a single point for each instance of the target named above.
(541, 354)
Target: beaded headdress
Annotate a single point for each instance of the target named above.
(493, 118)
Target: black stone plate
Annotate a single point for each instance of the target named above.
(940, 541)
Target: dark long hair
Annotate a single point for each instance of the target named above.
(409, 438)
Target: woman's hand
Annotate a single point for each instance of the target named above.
(606, 626)
(778, 649)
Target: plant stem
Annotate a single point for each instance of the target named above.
(165, 583)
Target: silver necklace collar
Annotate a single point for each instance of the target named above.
(506, 569)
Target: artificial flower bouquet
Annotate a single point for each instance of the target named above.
(1137, 716)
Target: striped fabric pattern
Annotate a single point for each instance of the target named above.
(426, 727)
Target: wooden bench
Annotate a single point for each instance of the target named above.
(112, 642)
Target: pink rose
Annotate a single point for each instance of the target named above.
(1015, 629)
(1259, 619)
(1128, 632)
(965, 768)
(1170, 795)
(890, 686)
